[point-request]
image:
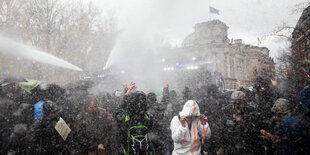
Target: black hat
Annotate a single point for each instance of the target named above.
(50, 107)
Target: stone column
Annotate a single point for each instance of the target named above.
(228, 74)
(235, 67)
(232, 67)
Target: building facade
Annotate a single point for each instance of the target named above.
(208, 47)
(301, 49)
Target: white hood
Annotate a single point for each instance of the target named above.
(190, 108)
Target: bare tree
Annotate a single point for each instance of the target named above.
(73, 30)
(284, 30)
(9, 15)
(283, 66)
(298, 8)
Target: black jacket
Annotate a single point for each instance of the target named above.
(44, 139)
(91, 129)
(240, 137)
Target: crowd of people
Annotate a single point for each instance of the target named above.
(132, 122)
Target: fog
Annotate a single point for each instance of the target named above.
(11, 48)
(153, 77)
(146, 30)
(246, 19)
(147, 25)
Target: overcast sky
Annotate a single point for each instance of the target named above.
(174, 19)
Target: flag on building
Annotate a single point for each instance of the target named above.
(213, 10)
(258, 40)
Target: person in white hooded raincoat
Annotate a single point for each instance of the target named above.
(189, 130)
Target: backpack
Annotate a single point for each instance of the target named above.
(138, 140)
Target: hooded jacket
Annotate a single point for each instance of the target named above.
(188, 141)
(92, 129)
(295, 128)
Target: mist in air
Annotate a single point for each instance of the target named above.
(12, 48)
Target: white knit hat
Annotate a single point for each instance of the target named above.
(238, 95)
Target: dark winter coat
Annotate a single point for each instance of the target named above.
(172, 103)
(294, 132)
(6, 124)
(173, 107)
(138, 124)
(92, 128)
(288, 134)
(240, 137)
(155, 109)
(19, 142)
(44, 138)
(156, 112)
(5, 131)
(212, 107)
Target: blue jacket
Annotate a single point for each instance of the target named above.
(288, 133)
(294, 135)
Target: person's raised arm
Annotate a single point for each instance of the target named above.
(125, 89)
(178, 129)
(131, 88)
(165, 98)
